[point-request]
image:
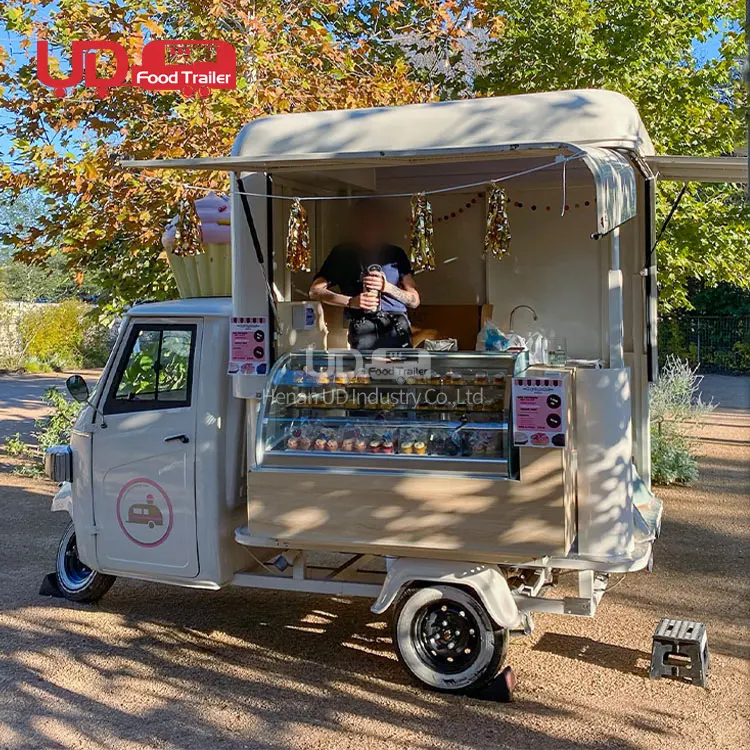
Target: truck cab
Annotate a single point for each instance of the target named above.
(159, 441)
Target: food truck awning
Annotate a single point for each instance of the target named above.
(699, 168)
(514, 132)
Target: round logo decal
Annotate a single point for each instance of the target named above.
(144, 512)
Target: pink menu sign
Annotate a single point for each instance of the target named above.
(248, 346)
(539, 412)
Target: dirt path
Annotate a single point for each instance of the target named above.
(157, 666)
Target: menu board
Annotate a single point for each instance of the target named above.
(539, 412)
(248, 346)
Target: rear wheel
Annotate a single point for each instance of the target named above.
(76, 581)
(446, 640)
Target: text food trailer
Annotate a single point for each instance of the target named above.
(237, 440)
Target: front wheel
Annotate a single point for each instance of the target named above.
(75, 580)
(446, 640)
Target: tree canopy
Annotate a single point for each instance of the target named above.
(307, 54)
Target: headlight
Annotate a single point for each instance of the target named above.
(58, 463)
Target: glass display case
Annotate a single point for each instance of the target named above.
(410, 410)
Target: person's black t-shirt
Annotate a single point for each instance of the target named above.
(346, 264)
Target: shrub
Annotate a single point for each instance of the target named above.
(62, 336)
(675, 401)
(53, 429)
(672, 462)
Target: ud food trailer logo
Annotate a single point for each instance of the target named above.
(144, 512)
(192, 66)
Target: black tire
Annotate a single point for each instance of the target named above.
(76, 581)
(437, 650)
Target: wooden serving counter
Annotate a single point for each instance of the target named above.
(436, 516)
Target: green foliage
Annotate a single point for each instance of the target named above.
(53, 429)
(15, 446)
(26, 282)
(723, 299)
(707, 241)
(140, 374)
(123, 275)
(672, 461)
(52, 335)
(49, 277)
(724, 342)
(675, 401)
(56, 427)
(62, 336)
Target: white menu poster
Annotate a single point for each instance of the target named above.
(248, 346)
(539, 412)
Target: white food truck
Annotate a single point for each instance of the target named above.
(233, 439)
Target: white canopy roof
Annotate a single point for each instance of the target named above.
(470, 129)
(585, 117)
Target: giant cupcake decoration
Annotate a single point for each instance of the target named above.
(198, 247)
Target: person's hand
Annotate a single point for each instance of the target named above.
(374, 281)
(367, 301)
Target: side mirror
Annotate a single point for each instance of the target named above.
(77, 388)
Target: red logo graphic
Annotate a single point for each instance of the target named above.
(144, 512)
(166, 65)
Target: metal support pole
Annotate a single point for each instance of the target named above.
(616, 331)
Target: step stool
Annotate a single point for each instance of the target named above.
(680, 649)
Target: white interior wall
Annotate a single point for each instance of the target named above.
(555, 267)
(553, 264)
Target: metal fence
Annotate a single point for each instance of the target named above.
(713, 343)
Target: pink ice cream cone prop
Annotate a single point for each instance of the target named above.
(205, 271)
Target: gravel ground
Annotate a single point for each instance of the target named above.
(157, 666)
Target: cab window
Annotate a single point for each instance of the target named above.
(155, 371)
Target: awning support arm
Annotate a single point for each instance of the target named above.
(250, 220)
(258, 251)
(664, 226)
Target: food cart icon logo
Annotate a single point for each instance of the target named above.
(194, 67)
(144, 512)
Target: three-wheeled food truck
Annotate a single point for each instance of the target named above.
(235, 440)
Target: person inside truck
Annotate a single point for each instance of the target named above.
(374, 280)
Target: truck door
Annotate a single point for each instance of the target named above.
(144, 459)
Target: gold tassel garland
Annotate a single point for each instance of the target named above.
(421, 244)
(188, 238)
(497, 236)
(298, 239)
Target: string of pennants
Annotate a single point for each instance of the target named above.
(470, 203)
